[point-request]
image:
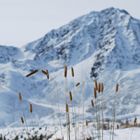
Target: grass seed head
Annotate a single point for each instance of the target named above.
(92, 103)
(67, 108)
(32, 73)
(86, 123)
(46, 72)
(31, 108)
(20, 97)
(70, 94)
(95, 93)
(72, 71)
(95, 84)
(77, 84)
(65, 71)
(99, 87)
(117, 87)
(22, 120)
(102, 87)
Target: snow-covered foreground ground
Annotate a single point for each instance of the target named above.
(80, 131)
(89, 132)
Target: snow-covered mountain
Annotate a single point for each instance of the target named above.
(104, 45)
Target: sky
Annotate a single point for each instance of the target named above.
(22, 21)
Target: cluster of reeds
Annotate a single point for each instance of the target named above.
(23, 117)
(20, 97)
(33, 72)
(66, 103)
(70, 110)
(97, 103)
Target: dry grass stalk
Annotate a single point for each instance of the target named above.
(23, 120)
(72, 71)
(46, 72)
(83, 104)
(32, 73)
(102, 113)
(65, 71)
(31, 108)
(67, 107)
(95, 105)
(70, 95)
(114, 111)
(68, 121)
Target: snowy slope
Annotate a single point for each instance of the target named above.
(103, 45)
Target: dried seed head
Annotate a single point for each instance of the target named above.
(86, 123)
(102, 87)
(95, 84)
(31, 73)
(20, 97)
(117, 87)
(77, 84)
(72, 71)
(70, 94)
(46, 72)
(22, 120)
(31, 108)
(99, 87)
(65, 71)
(95, 93)
(92, 103)
(67, 108)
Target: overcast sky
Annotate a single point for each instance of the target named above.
(22, 21)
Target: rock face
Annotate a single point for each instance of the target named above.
(100, 45)
(8, 54)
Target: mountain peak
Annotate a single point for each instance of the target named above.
(82, 36)
(113, 9)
